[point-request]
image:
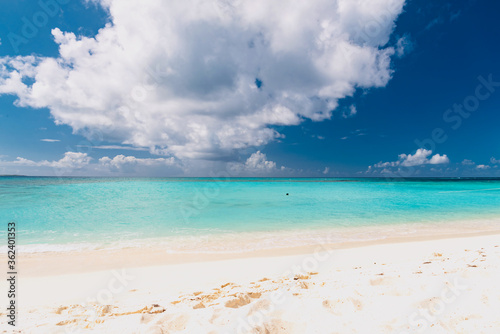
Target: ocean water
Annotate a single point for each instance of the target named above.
(185, 214)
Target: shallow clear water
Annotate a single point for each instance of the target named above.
(101, 211)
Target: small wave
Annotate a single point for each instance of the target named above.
(240, 242)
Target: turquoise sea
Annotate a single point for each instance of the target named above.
(179, 214)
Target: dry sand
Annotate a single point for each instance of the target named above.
(435, 286)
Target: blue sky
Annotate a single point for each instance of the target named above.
(138, 99)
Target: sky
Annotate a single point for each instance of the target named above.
(323, 88)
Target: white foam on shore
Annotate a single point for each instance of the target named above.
(48, 248)
(240, 242)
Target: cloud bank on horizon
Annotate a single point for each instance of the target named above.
(79, 163)
(419, 158)
(204, 79)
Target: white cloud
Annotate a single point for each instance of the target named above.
(257, 163)
(439, 159)
(494, 161)
(76, 163)
(417, 159)
(468, 162)
(71, 160)
(116, 147)
(404, 45)
(50, 140)
(483, 167)
(386, 164)
(351, 111)
(421, 157)
(326, 170)
(121, 161)
(178, 77)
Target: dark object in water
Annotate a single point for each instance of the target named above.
(287, 194)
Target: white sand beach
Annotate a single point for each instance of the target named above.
(434, 286)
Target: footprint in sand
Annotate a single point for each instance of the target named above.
(198, 306)
(61, 309)
(304, 285)
(103, 310)
(209, 298)
(66, 322)
(242, 299)
(254, 294)
(301, 277)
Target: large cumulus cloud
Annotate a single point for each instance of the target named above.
(201, 79)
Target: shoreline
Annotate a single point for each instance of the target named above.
(219, 242)
(61, 263)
